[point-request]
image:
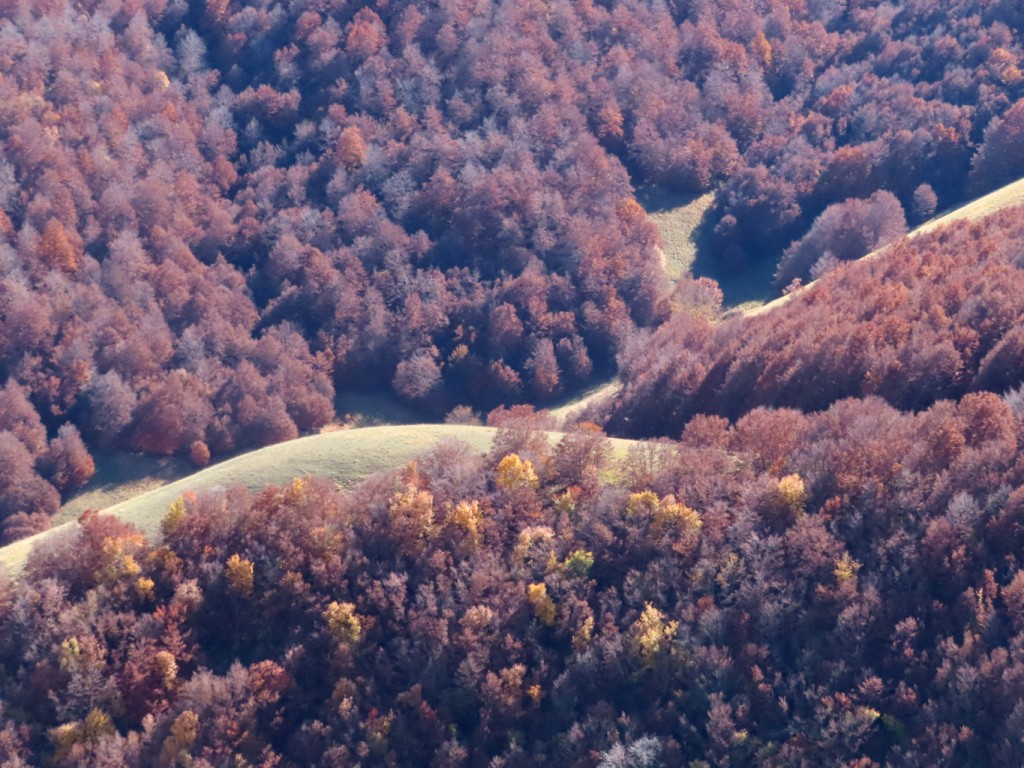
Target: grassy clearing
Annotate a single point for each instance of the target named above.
(678, 219)
(347, 454)
(373, 409)
(748, 287)
(682, 223)
(121, 476)
(347, 457)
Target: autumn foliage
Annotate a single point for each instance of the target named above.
(824, 599)
(936, 317)
(213, 215)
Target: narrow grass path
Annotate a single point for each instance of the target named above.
(570, 411)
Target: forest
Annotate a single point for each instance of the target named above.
(935, 317)
(840, 588)
(217, 217)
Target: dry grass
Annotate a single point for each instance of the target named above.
(364, 409)
(347, 457)
(677, 217)
(681, 220)
(569, 412)
(121, 476)
(1004, 197)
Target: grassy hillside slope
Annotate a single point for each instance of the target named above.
(121, 475)
(1004, 197)
(347, 457)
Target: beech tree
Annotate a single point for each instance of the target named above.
(995, 163)
(845, 231)
(66, 463)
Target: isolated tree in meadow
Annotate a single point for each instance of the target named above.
(463, 415)
(199, 453)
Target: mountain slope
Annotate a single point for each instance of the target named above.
(347, 457)
(1004, 197)
(938, 317)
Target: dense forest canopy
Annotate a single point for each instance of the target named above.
(216, 216)
(843, 588)
(938, 316)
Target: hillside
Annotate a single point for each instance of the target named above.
(838, 588)
(1004, 197)
(253, 252)
(347, 457)
(121, 475)
(940, 315)
(219, 220)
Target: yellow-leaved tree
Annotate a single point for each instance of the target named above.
(343, 622)
(515, 473)
(240, 573)
(411, 520)
(651, 635)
